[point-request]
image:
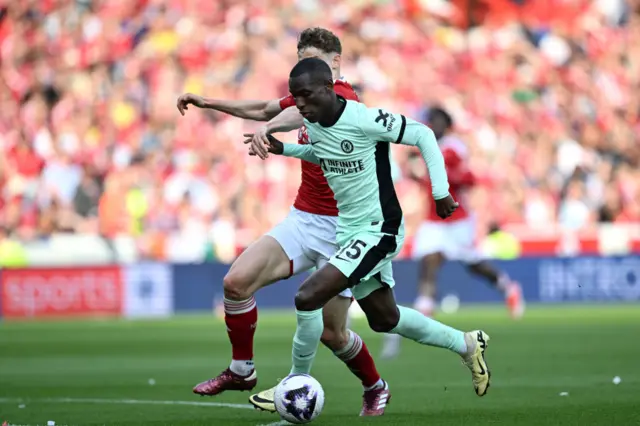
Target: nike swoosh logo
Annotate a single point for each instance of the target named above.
(314, 143)
(306, 356)
(481, 368)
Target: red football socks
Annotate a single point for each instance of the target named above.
(241, 317)
(357, 357)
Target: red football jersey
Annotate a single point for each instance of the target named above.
(314, 195)
(460, 178)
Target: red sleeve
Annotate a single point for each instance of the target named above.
(458, 174)
(287, 102)
(451, 158)
(345, 90)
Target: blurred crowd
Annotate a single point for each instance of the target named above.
(546, 94)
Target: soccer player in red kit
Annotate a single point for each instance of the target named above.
(305, 239)
(454, 238)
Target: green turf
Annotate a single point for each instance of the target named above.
(553, 350)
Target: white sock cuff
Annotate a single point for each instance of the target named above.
(351, 349)
(503, 282)
(424, 303)
(237, 307)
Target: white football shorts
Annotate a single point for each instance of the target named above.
(309, 240)
(455, 240)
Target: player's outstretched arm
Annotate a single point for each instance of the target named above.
(384, 126)
(250, 110)
(287, 120)
(302, 152)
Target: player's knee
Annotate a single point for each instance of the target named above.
(236, 286)
(304, 301)
(334, 339)
(384, 323)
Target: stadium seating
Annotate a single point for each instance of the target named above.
(91, 143)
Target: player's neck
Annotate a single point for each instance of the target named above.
(336, 110)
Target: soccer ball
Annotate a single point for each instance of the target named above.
(299, 398)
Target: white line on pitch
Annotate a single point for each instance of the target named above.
(137, 402)
(127, 401)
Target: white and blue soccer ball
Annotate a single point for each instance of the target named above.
(299, 398)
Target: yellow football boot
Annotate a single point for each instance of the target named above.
(477, 342)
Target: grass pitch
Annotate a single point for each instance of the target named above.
(121, 372)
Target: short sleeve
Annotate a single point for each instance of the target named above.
(382, 125)
(286, 102)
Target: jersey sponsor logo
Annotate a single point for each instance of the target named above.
(342, 167)
(346, 146)
(386, 118)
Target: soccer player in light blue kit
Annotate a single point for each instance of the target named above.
(351, 143)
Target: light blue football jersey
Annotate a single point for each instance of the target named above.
(355, 156)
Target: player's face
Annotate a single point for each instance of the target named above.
(438, 124)
(331, 59)
(313, 98)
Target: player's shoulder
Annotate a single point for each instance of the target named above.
(343, 88)
(358, 111)
(377, 114)
(343, 82)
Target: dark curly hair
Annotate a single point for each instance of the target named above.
(439, 111)
(321, 39)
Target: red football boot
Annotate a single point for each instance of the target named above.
(227, 380)
(515, 300)
(375, 401)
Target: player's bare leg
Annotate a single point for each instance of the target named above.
(263, 263)
(425, 301)
(385, 316)
(427, 287)
(511, 290)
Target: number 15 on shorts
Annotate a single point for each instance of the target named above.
(351, 251)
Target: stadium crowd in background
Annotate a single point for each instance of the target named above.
(546, 93)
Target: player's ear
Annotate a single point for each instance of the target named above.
(335, 62)
(329, 85)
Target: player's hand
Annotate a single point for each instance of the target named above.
(446, 206)
(259, 141)
(189, 99)
(262, 147)
(256, 146)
